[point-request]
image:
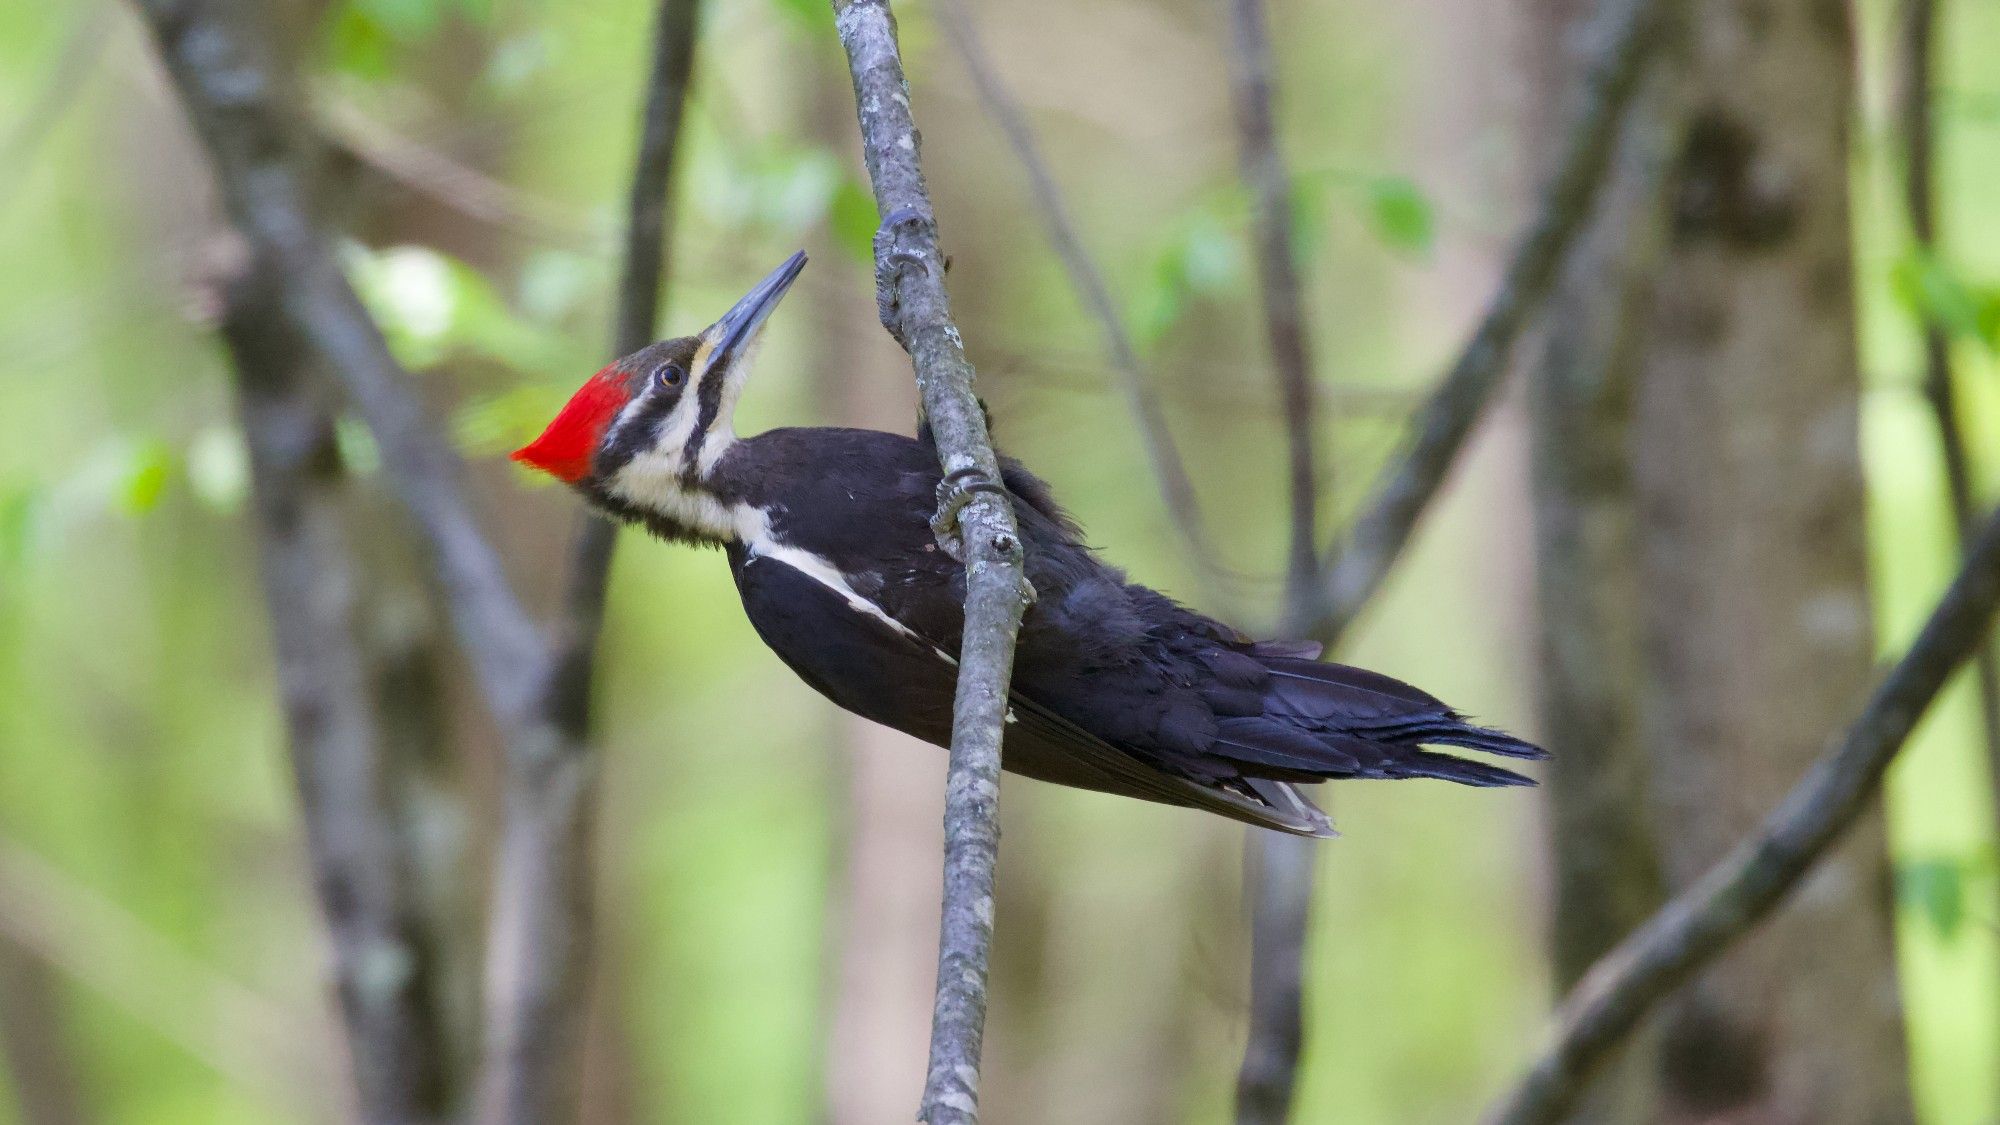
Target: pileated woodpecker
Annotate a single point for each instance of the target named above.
(1116, 688)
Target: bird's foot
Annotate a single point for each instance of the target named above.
(893, 254)
(956, 491)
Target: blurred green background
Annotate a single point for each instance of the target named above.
(768, 868)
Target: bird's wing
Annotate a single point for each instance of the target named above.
(883, 670)
(1041, 743)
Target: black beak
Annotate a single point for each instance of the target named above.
(738, 327)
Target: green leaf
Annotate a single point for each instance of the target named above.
(1401, 215)
(811, 14)
(1933, 292)
(1937, 888)
(1202, 258)
(494, 424)
(21, 509)
(1988, 301)
(146, 476)
(356, 44)
(405, 20)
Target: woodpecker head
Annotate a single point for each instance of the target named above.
(642, 436)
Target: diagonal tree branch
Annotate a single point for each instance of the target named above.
(1748, 884)
(1356, 567)
(1917, 110)
(344, 754)
(247, 114)
(910, 292)
(1169, 469)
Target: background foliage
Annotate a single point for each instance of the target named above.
(150, 867)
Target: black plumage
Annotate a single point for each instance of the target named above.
(1116, 687)
(1108, 674)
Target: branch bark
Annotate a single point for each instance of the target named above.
(1918, 118)
(248, 115)
(910, 294)
(1283, 871)
(1741, 890)
(1357, 565)
(1169, 469)
(344, 758)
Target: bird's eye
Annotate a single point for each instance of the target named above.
(670, 375)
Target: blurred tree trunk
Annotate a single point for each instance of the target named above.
(1580, 395)
(1753, 566)
(34, 1042)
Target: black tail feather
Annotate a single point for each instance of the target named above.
(1323, 720)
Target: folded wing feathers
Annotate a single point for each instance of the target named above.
(1332, 720)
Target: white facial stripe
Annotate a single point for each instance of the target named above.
(827, 575)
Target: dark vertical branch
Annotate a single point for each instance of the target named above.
(1278, 273)
(910, 293)
(1916, 109)
(1755, 877)
(343, 754)
(41, 1068)
(640, 286)
(1405, 487)
(1279, 877)
(543, 921)
(247, 114)
(1169, 470)
(1283, 866)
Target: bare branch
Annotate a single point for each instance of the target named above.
(1278, 273)
(1283, 874)
(41, 1068)
(247, 114)
(1737, 893)
(641, 285)
(467, 190)
(343, 758)
(1279, 875)
(1176, 488)
(542, 931)
(1404, 489)
(910, 292)
(1917, 110)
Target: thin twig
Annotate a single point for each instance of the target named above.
(1283, 874)
(437, 174)
(330, 666)
(910, 293)
(1278, 273)
(1403, 491)
(1169, 469)
(1737, 893)
(1917, 110)
(540, 946)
